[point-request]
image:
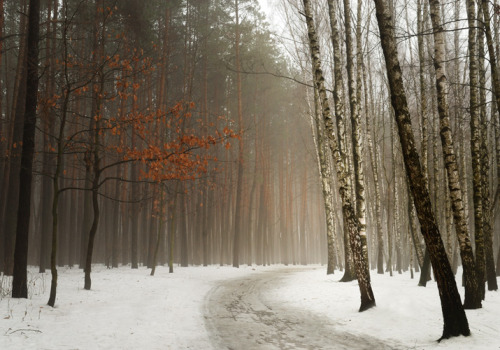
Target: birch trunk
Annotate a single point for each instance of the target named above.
(423, 90)
(421, 13)
(485, 165)
(490, 265)
(325, 185)
(357, 136)
(413, 226)
(352, 221)
(476, 146)
(338, 92)
(455, 320)
(378, 207)
(472, 298)
(396, 226)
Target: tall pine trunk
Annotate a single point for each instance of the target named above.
(239, 182)
(12, 168)
(19, 282)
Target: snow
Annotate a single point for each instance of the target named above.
(128, 309)
(405, 313)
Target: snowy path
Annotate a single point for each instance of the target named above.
(239, 315)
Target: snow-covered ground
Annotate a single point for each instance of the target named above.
(128, 309)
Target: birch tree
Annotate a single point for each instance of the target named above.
(352, 221)
(490, 268)
(472, 298)
(425, 122)
(455, 320)
(475, 130)
(338, 93)
(325, 183)
(357, 170)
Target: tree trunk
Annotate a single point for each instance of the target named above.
(413, 228)
(421, 13)
(472, 298)
(325, 184)
(396, 205)
(455, 320)
(134, 206)
(171, 231)
(53, 254)
(94, 132)
(92, 234)
(87, 214)
(358, 147)
(95, 201)
(55, 187)
(489, 215)
(115, 238)
(2, 22)
(423, 89)
(159, 233)
(498, 262)
(19, 282)
(184, 229)
(349, 273)
(48, 123)
(239, 184)
(12, 169)
(475, 129)
(353, 224)
(378, 207)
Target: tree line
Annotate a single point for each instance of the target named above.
(414, 105)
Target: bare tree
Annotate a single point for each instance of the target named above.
(455, 320)
(472, 298)
(353, 224)
(338, 92)
(489, 215)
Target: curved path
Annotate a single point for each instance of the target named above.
(239, 316)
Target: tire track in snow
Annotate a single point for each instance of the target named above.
(239, 316)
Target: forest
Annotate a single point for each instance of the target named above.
(359, 135)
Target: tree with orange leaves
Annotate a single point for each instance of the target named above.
(162, 158)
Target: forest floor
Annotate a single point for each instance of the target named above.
(274, 307)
